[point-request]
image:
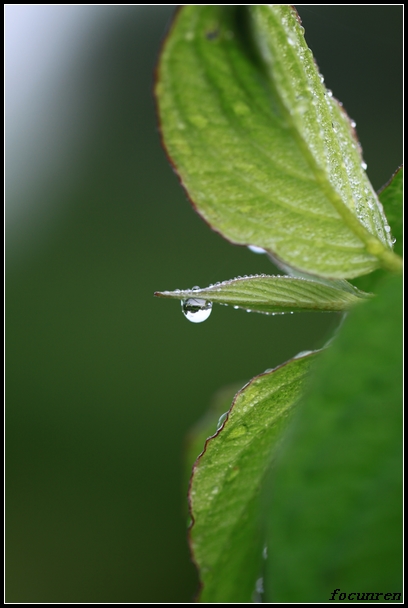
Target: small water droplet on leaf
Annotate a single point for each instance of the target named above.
(259, 585)
(221, 420)
(303, 353)
(256, 249)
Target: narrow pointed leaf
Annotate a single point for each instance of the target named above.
(391, 197)
(226, 536)
(271, 294)
(336, 493)
(266, 154)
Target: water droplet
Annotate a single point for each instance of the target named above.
(329, 93)
(259, 585)
(236, 307)
(303, 353)
(196, 288)
(196, 310)
(321, 78)
(256, 249)
(221, 420)
(353, 123)
(265, 552)
(364, 165)
(387, 229)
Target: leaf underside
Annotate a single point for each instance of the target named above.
(266, 154)
(227, 537)
(274, 294)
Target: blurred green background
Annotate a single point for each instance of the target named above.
(103, 380)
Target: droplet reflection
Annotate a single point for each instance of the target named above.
(196, 310)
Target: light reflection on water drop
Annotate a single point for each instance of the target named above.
(256, 249)
(196, 310)
(303, 353)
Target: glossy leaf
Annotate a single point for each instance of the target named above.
(336, 494)
(266, 154)
(272, 294)
(391, 197)
(227, 537)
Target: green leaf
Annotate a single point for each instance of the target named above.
(268, 157)
(208, 425)
(336, 508)
(227, 537)
(391, 197)
(274, 294)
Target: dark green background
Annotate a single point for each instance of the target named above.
(103, 380)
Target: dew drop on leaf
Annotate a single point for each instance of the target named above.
(259, 585)
(196, 310)
(302, 353)
(221, 420)
(256, 249)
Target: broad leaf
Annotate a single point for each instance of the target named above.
(272, 294)
(391, 197)
(267, 155)
(226, 536)
(336, 508)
